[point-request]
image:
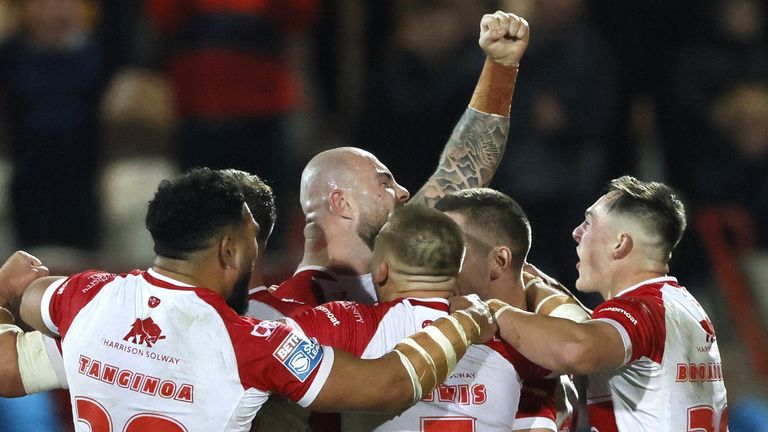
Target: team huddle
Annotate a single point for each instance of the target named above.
(406, 313)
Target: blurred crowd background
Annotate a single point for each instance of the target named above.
(99, 100)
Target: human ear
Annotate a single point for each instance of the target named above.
(623, 246)
(339, 204)
(381, 273)
(502, 260)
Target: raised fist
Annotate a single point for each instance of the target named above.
(18, 272)
(504, 37)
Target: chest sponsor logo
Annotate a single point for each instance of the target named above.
(144, 332)
(264, 329)
(300, 356)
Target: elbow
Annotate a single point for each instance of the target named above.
(400, 395)
(578, 358)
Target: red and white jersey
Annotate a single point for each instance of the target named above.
(548, 403)
(672, 377)
(144, 352)
(315, 285)
(481, 394)
(263, 305)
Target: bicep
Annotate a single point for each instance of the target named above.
(354, 384)
(603, 347)
(31, 302)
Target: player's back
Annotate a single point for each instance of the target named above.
(676, 383)
(482, 392)
(143, 352)
(693, 367)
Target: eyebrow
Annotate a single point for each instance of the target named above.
(386, 175)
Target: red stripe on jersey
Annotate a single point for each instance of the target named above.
(437, 305)
(641, 312)
(254, 350)
(303, 288)
(349, 326)
(537, 399)
(286, 307)
(73, 294)
(161, 283)
(602, 417)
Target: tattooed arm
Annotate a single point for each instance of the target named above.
(477, 144)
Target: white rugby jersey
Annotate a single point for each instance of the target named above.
(672, 377)
(481, 394)
(144, 352)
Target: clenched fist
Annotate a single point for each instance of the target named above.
(504, 37)
(17, 273)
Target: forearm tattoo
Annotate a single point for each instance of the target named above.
(470, 157)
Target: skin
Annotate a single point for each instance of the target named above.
(615, 252)
(17, 272)
(345, 189)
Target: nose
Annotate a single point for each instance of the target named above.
(577, 232)
(401, 193)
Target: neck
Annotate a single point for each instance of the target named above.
(335, 247)
(189, 272)
(418, 287)
(624, 281)
(509, 289)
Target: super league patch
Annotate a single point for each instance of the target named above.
(300, 356)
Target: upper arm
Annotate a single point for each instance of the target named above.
(31, 310)
(380, 385)
(599, 346)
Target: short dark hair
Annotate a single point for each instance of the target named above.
(425, 239)
(260, 199)
(492, 216)
(189, 211)
(655, 205)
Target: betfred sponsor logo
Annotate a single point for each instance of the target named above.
(144, 332)
(135, 381)
(699, 372)
(300, 356)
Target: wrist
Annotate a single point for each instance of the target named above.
(494, 90)
(6, 316)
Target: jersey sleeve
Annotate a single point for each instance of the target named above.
(273, 356)
(640, 322)
(63, 299)
(348, 326)
(302, 288)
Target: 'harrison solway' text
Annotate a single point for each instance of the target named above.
(139, 351)
(134, 381)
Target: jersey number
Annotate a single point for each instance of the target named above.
(701, 418)
(447, 424)
(97, 418)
